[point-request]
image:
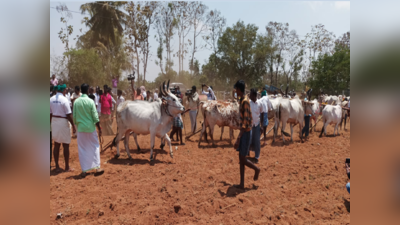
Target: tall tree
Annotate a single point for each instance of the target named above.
(293, 58)
(149, 11)
(134, 29)
(199, 23)
(237, 47)
(183, 16)
(331, 72)
(105, 18)
(216, 25)
(67, 30)
(166, 24)
(279, 32)
(318, 41)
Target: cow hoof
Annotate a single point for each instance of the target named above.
(172, 155)
(139, 150)
(116, 156)
(130, 158)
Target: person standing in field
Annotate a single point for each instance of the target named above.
(194, 102)
(149, 98)
(120, 98)
(97, 102)
(256, 110)
(143, 91)
(210, 94)
(60, 114)
(266, 106)
(139, 95)
(86, 119)
(155, 95)
(243, 140)
(105, 118)
(53, 80)
(177, 129)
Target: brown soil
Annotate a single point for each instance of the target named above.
(300, 183)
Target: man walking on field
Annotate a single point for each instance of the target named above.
(243, 140)
(86, 117)
(60, 114)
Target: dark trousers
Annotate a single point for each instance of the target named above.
(306, 128)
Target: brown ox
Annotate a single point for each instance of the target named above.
(219, 113)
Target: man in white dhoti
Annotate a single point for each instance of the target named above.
(86, 117)
(60, 114)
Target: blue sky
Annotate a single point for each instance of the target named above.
(300, 15)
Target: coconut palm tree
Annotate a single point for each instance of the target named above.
(106, 17)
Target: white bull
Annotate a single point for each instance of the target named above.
(316, 112)
(331, 114)
(292, 112)
(142, 117)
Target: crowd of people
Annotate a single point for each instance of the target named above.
(87, 107)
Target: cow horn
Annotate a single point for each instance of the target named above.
(287, 88)
(168, 91)
(163, 87)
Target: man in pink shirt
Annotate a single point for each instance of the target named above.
(105, 118)
(53, 80)
(114, 85)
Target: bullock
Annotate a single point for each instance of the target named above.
(221, 114)
(291, 111)
(331, 114)
(142, 118)
(316, 111)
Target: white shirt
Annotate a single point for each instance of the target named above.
(75, 96)
(113, 102)
(68, 96)
(210, 94)
(348, 105)
(155, 96)
(266, 104)
(256, 110)
(144, 94)
(97, 102)
(120, 100)
(97, 99)
(59, 105)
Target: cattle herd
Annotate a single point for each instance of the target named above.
(156, 118)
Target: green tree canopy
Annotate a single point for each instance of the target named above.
(85, 66)
(331, 72)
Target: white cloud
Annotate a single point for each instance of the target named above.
(342, 5)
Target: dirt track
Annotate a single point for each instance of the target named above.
(300, 183)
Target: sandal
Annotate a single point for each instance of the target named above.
(83, 175)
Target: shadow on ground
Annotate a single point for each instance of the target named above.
(233, 191)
